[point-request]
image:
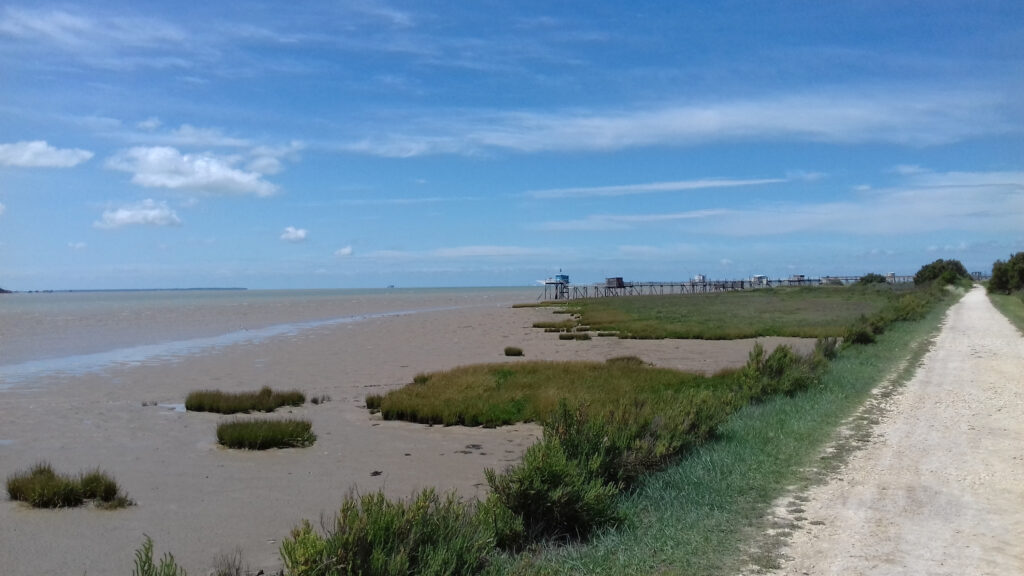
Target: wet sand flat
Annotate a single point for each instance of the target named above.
(198, 500)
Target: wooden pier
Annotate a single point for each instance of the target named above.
(561, 289)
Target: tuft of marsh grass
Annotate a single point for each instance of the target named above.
(145, 566)
(263, 434)
(371, 534)
(513, 351)
(263, 400)
(373, 401)
(560, 326)
(42, 487)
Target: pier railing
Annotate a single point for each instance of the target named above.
(564, 291)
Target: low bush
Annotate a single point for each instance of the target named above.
(371, 534)
(513, 351)
(559, 326)
(41, 487)
(262, 434)
(264, 400)
(871, 278)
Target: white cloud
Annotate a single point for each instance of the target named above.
(343, 252)
(149, 124)
(293, 234)
(725, 262)
(39, 154)
(907, 169)
(188, 135)
(654, 187)
(165, 167)
(77, 245)
(891, 115)
(145, 213)
(2, 209)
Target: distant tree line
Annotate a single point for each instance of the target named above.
(1007, 276)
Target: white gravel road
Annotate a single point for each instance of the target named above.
(940, 488)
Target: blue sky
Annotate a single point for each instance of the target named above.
(361, 143)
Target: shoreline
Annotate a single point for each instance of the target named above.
(198, 500)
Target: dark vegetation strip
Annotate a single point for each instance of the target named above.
(263, 400)
(263, 434)
(1006, 288)
(41, 487)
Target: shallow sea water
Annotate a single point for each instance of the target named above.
(43, 334)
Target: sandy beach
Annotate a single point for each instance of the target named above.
(198, 500)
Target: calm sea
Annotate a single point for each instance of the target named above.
(43, 334)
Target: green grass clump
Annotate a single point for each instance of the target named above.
(264, 400)
(41, 487)
(262, 434)
(373, 401)
(371, 534)
(498, 394)
(513, 351)
(145, 566)
(561, 326)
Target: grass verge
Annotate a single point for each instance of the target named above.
(41, 487)
(263, 400)
(261, 434)
(1011, 306)
(700, 515)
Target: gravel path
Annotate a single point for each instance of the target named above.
(940, 488)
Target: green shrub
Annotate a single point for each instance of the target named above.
(261, 434)
(513, 351)
(860, 332)
(371, 534)
(554, 495)
(41, 487)
(871, 278)
(944, 271)
(144, 565)
(566, 336)
(1007, 276)
(421, 378)
(264, 400)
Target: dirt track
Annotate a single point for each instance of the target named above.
(940, 488)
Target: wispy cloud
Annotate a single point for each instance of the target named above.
(294, 235)
(109, 42)
(39, 154)
(343, 252)
(990, 202)
(598, 222)
(892, 115)
(2, 209)
(145, 213)
(77, 245)
(649, 188)
(166, 167)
